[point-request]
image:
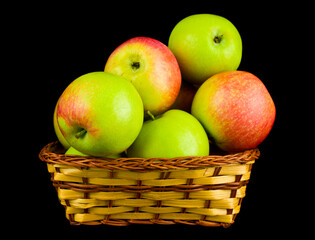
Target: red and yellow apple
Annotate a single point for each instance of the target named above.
(100, 114)
(185, 97)
(151, 67)
(236, 110)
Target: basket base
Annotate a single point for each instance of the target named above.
(121, 223)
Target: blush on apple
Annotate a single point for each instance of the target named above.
(236, 110)
(185, 97)
(151, 67)
(59, 135)
(100, 114)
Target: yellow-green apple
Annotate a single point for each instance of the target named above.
(73, 151)
(59, 135)
(174, 133)
(151, 67)
(205, 44)
(185, 97)
(236, 110)
(100, 114)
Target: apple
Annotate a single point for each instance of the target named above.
(73, 151)
(151, 67)
(205, 44)
(174, 133)
(185, 97)
(59, 135)
(236, 110)
(100, 114)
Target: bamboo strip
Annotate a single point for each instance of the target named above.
(229, 203)
(152, 175)
(81, 217)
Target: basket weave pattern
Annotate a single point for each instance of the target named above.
(204, 191)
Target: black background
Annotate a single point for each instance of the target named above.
(64, 42)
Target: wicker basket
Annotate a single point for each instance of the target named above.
(204, 191)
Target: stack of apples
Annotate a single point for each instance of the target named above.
(160, 101)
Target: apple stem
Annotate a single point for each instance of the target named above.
(151, 115)
(81, 133)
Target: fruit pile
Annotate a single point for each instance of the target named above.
(154, 100)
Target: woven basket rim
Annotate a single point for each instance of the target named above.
(54, 153)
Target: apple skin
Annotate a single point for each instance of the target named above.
(151, 67)
(236, 110)
(205, 44)
(73, 151)
(59, 135)
(100, 114)
(174, 133)
(185, 97)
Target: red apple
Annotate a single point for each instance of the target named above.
(151, 67)
(185, 97)
(236, 110)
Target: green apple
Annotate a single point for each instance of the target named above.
(174, 133)
(59, 135)
(205, 44)
(73, 151)
(151, 67)
(100, 114)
